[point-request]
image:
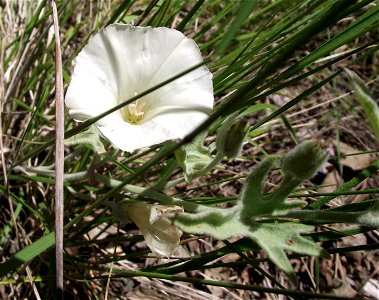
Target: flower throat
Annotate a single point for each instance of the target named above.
(133, 113)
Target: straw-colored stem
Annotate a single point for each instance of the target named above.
(59, 157)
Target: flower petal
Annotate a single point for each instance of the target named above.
(175, 124)
(194, 94)
(129, 137)
(160, 235)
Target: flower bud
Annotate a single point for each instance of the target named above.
(231, 137)
(304, 161)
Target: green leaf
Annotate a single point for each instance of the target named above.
(274, 238)
(254, 214)
(193, 157)
(90, 136)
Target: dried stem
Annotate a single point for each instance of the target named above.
(59, 157)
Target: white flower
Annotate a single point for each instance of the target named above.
(123, 61)
(160, 235)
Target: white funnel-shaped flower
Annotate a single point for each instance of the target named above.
(121, 62)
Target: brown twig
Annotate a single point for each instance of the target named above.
(59, 157)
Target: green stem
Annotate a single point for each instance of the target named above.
(50, 173)
(148, 193)
(218, 157)
(331, 217)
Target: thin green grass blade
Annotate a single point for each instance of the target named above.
(369, 171)
(8, 227)
(293, 293)
(146, 12)
(18, 200)
(190, 14)
(27, 254)
(31, 24)
(158, 18)
(237, 100)
(295, 101)
(369, 21)
(217, 18)
(246, 7)
(121, 10)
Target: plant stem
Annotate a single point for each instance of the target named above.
(59, 157)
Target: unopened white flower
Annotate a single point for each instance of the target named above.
(160, 235)
(121, 62)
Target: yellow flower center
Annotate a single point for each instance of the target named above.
(133, 113)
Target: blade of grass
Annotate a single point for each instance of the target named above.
(146, 12)
(369, 171)
(27, 254)
(246, 7)
(294, 293)
(189, 15)
(295, 101)
(121, 10)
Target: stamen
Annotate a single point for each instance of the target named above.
(133, 113)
